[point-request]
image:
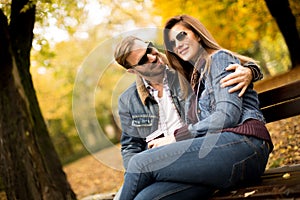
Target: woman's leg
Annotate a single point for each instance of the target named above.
(174, 191)
(216, 160)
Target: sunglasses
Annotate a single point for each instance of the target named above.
(179, 37)
(144, 58)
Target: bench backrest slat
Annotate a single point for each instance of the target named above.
(281, 102)
(282, 111)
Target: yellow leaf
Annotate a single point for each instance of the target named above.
(247, 194)
(286, 176)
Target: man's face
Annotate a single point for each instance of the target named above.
(145, 60)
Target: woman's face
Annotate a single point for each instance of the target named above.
(184, 43)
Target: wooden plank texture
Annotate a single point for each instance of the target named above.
(277, 183)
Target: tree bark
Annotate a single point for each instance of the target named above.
(281, 11)
(29, 166)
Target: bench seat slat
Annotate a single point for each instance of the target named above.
(272, 186)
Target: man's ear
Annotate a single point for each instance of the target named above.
(131, 71)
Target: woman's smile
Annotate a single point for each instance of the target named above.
(183, 50)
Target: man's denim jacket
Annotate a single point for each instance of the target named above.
(139, 115)
(217, 108)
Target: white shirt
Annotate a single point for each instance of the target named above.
(169, 119)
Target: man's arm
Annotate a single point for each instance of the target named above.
(242, 77)
(130, 146)
(131, 142)
(255, 70)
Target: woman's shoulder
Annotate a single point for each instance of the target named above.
(224, 55)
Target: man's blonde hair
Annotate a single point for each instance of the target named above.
(123, 50)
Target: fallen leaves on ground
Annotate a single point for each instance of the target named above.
(286, 139)
(89, 175)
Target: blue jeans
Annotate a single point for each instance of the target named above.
(172, 191)
(215, 161)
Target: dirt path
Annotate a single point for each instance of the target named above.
(100, 173)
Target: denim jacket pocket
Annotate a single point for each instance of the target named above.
(142, 120)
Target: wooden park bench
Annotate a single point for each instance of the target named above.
(276, 183)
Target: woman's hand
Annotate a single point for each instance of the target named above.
(242, 76)
(161, 141)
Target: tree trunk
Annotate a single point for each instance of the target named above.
(281, 11)
(29, 165)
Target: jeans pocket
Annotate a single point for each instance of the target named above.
(246, 170)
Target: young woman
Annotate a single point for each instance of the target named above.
(228, 145)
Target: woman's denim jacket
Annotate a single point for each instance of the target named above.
(217, 108)
(139, 115)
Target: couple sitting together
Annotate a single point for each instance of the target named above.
(191, 123)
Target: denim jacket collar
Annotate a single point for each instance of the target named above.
(141, 89)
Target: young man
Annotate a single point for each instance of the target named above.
(156, 104)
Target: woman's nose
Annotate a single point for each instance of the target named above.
(178, 44)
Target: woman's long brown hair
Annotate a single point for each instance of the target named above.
(206, 40)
